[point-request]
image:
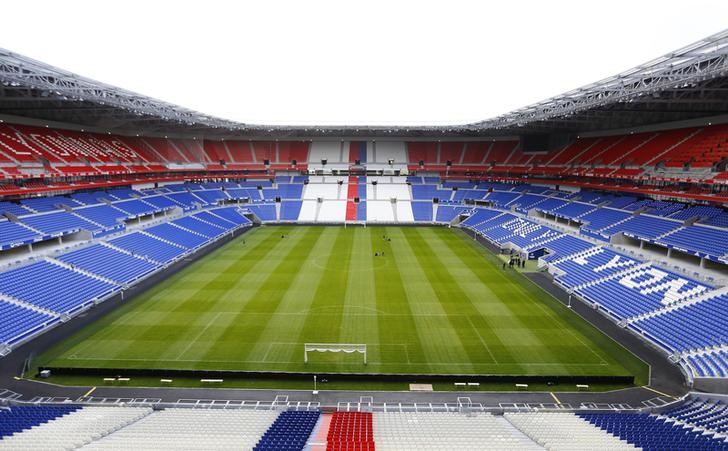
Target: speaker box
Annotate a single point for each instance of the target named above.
(222, 162)
(448, 163)
(266, 162)
(357, 162)
(422, 162)
(278, 199)
(356, 200)
(435, 200)
(324, 161)
(259, 187)
(294, 162)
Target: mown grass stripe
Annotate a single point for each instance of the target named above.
(395, 321)
(269, 293)
(141, 321)
(299, 296)
(439, 341)
(359, 305)
(450, 296)
(329, 293)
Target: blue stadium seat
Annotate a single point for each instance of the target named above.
(109, 263)
(18, 322)
(19, 418)
(145, 246)
(53, 287)
(290, 431)
(15, 234)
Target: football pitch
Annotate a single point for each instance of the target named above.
(435, 302)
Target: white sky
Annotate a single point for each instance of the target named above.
(345, 62)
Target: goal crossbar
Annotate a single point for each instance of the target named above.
(347, 348)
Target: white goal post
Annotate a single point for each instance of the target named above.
(334, 347)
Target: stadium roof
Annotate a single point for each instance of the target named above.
(689, 83)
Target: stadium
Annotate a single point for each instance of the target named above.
(553, 278)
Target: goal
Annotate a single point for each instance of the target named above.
(347, 348)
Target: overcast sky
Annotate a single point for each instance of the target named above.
(344, 62)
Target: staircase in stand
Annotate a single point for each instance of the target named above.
(353, 191)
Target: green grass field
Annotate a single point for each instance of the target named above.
(436, 302)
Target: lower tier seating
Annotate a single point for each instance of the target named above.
(697, 424)
(290, 431)
(565, 431)
(53, 287)
(110, 263)
(142, 245)
(75, 429)
(438, 431)
(17, 322)
(350, 431)
(649, 432)
(19, 418)
(190, 429)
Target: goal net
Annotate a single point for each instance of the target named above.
(347, 348)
